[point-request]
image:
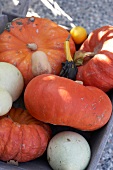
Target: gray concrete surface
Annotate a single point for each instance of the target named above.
(90, 14)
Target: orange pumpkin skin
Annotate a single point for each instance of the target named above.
(22, 138)
(61, 101)
(47, 35)
(98, 71)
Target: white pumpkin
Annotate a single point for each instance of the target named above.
(5, 102)
(68, 151)
(11, 79)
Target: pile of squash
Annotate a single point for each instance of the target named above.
(35, 47)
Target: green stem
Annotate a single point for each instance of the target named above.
(81, 55)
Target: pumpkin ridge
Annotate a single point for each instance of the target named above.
(22, 41)
(17, 123)
(23, 153)
(15, 114)
(26, 22)
(23, 27)
(20, 150)
(6, 36)
(39, 137)
(12, 62)
(14, 156)
(21, 113)
(15, 34)
(95, 70)
(2, 155)
(45, 134)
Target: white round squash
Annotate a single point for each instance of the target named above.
(11, 79)
(68, 151)
(5, 102)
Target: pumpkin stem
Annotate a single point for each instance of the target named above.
(67, 49)
(12, 162)
(69, 68)
(81, 55)
(32, 46)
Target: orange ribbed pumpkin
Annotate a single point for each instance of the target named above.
(98, 71)
(22, 137)
(23, 36)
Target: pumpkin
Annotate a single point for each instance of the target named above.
(5, 101)
(24, 36)
(68, 150)
(11, 80)
(97, 68)
(61, 101)
(22, 138)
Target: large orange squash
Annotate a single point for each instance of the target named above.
(23, 36)
(22, 138)
(61, 101)
(98, 71)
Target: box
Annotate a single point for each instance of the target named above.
(97, 140)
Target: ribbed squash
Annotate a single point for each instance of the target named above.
(98, 70)
(22, 137)
(24, 36)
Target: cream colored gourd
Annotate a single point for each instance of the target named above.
(11, 80)
(68, 151)
(40, 63)
(5, 102)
